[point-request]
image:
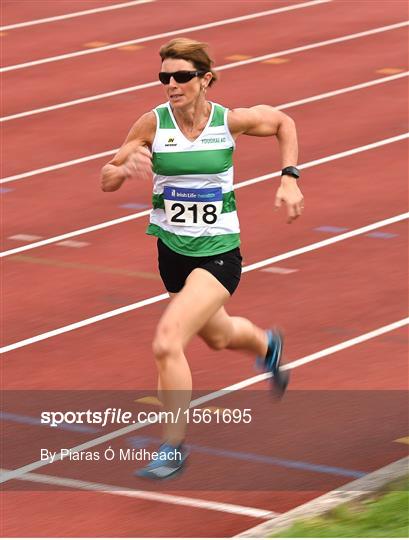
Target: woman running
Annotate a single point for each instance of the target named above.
(188, 143)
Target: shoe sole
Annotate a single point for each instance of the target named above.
(146, 476)
(279, 380)
(279, 383)
(169, 476)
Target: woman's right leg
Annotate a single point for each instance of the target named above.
(187, 312)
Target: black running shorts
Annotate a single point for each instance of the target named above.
(175, 268)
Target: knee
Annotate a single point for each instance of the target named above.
(217, 342)
(165, 343)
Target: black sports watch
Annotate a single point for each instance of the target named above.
(291, 171)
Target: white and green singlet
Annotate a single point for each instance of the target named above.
(194, 207)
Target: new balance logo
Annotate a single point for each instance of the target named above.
(171, 142)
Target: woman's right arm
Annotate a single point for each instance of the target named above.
(133, 159)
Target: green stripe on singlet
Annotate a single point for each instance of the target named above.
(218, 116)
(229, 202)
(194, 162)
(165, 120)
(199, 246)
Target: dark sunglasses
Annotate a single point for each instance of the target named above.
(179, 76)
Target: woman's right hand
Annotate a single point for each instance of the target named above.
(138, 164)
(133, 159)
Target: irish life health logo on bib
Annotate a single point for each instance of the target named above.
(193, 207)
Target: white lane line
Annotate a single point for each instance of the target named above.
(57, 166)
(340, 91)
(326, 159)
(85, 322)
(74, 14)
(147, 495)
(324, 43)
(163, 35)
(327, 242)
(159, 298)
(282, 107)
(245, 183)
(346, 344)
(302, 361)
(18, 473)
(73, 234)
(219, 68)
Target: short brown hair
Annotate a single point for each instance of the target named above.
(190, 50)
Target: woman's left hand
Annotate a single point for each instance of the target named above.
(291, 195)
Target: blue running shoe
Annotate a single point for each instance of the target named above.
(271, 362)
(170, 460)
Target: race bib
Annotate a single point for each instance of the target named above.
(193, 207)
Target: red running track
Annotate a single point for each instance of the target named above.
(337, 293)
(114, 69)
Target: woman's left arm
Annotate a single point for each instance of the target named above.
(266, 121)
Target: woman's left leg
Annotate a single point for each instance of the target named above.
(223, 331)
